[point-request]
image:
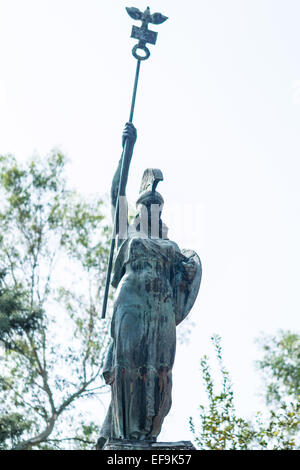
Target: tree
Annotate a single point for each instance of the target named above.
(53, 248)
(221, 429)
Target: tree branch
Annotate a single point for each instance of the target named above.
(42, 437)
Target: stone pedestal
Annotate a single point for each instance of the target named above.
(122, 444)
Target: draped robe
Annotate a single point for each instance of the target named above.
(154, 294)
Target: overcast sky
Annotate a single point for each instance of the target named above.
(218, 110)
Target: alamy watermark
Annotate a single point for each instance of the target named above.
(184, 220)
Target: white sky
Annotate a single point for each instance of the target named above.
(218, 110)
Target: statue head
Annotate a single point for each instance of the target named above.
(150, 205)
(148, 198)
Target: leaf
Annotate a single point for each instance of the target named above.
(158, 18)
(134, 13)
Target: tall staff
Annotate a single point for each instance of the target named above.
(144, 36)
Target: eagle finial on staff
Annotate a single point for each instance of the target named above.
(155, 18)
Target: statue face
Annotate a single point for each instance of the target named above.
(150, 198)
(148, 219)
(151, 208)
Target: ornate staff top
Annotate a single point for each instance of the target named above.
(143, 34)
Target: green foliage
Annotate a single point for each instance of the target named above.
(281, 366)
(12, 427)
(222, 429)
(53, 249)
(15, 317)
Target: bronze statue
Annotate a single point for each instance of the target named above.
(157, 285)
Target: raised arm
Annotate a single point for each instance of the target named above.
(129, 136)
